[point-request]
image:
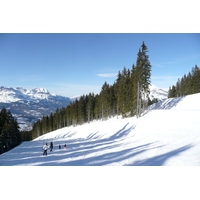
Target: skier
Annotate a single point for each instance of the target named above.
(51, 146)
(65, 146)
(45, 147)
(59, 146)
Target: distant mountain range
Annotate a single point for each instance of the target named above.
(27, 106)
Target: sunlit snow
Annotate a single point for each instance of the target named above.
(169, 134)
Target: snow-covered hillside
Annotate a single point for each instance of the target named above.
(169, 134)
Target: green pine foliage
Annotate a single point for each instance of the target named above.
(187, 85)
(25, 136)
(143, 75)
(9, 131)
(113, 100)
(143, 69)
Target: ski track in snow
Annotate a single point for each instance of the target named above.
(169, 134)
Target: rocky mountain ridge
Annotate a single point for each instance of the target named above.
(27, 106)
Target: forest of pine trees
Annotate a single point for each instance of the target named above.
(113, 100)
(187, 85)
(9, 131)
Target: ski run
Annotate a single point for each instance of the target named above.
(167, 135)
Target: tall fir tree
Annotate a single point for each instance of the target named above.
(143, 76)
(143, 69)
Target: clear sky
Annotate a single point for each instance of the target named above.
(71, 64)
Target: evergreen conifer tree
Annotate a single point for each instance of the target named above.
(143, 74)
(9, 131)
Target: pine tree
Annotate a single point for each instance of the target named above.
(105, 101)
(143, 69)
(143, 75)
(134, 86)
(26, 135)
(195, 80)
(81, 117)
(98, 107)
(118, 91)
(90, 100)
(9, 131)
(173, 91)
(178, 88)
(170, 93)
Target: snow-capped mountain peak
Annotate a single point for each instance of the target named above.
(157, 93)
(38, 93)
(38, 90)
(29, 105)
(74, 98)
(9, 94)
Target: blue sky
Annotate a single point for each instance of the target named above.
(74, 64)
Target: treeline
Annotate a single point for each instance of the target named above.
(9, 131)
(25, 135)
(121, 98)
(188, 84)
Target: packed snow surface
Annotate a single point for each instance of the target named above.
(168, 134)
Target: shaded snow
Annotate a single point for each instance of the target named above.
(169, 134)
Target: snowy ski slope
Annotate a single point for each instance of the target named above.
(168, 135)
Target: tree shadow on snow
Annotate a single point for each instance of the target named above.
(100, 160)
(30, 153)
(166, 104)
(122, 132)
(91, 151)
(161, 159)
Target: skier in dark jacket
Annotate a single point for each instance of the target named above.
(45, 147)
(51, 146)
